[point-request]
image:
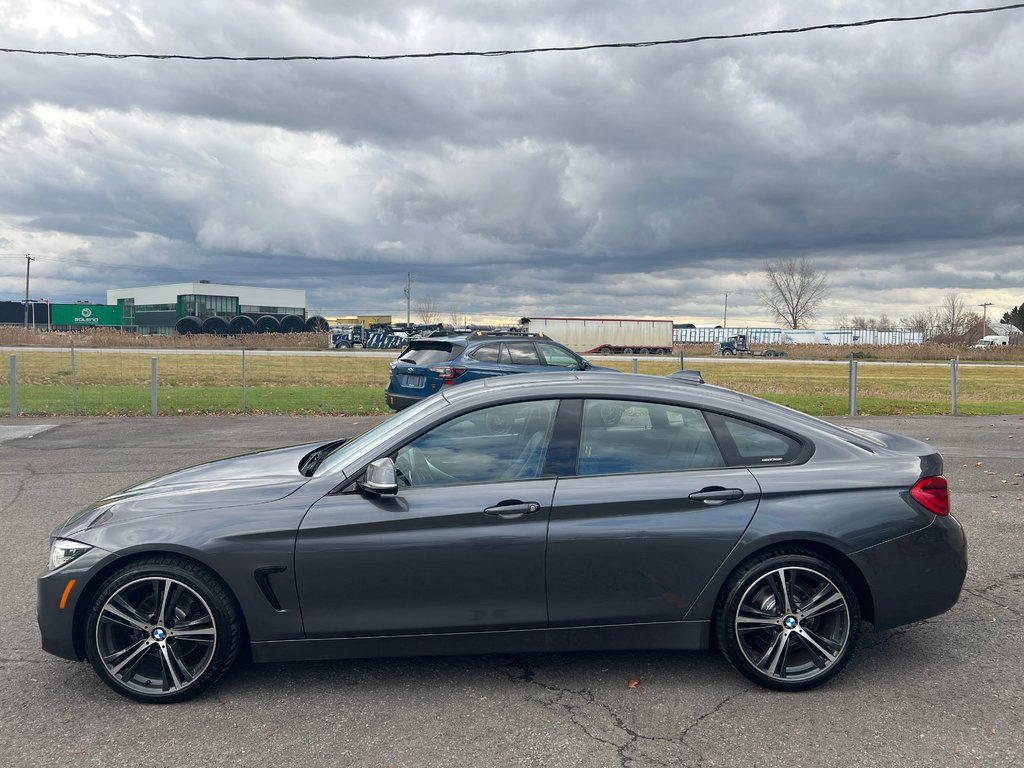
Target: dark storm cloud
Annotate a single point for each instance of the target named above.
(607, 182)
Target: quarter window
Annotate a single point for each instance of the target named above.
(487, 353)
(623, 436)
(757, 445)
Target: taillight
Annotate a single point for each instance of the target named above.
(932, 493)
(448, 373)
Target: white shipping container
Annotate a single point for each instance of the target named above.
(594, 334)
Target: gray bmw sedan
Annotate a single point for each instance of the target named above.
(542, 512)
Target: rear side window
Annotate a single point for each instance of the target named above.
(756, 445)
(523, 354)
(427, 353)
(620, 436)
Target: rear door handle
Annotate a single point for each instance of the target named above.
(715, 495)
(510, 510)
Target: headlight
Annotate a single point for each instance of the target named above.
(63, 551)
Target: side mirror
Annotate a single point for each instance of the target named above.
(380, 478)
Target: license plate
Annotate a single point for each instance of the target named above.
(415, 382)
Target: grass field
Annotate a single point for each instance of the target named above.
(118, 383)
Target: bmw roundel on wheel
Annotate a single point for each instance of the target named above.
(542, 512)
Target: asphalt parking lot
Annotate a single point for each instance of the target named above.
(944, 692)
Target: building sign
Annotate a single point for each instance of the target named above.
(85, 315)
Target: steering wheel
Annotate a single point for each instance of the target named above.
(412, 465)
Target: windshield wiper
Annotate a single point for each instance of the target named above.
(312, 459)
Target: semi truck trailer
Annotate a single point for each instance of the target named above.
(607, 336)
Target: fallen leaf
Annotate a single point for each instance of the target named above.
(979, 464)
(633, 683)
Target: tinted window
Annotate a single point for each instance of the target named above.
(557, 356)
(487, 353)
(428, 354)
(523, 354)
(504, 442)
(759, 445)
(624, 436)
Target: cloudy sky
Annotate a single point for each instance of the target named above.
(626, 182)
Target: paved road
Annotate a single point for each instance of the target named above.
(946, 692)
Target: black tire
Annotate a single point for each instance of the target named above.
(627, 351)
(162, 630)
(660, 351)
(644, 351)
(604, 351)
(728, 351)
(343, 345)
(793, 646)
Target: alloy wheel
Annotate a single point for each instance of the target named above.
(792, 624)
(156, 635)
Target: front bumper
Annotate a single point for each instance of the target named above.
(60, 610)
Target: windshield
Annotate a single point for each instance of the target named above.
(380, 433)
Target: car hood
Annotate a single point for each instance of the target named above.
(253, 479)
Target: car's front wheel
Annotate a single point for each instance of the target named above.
(788, 620)
(162, 630)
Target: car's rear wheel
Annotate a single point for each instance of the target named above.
(162, 630)
(788, 620)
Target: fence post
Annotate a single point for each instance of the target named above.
(954, 370)
(152, 387)
(682, 361)
(14, 386)
(635, 369)
(853, 387)
(74, 382)
(243, 382)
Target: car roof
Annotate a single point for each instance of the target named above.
(629, 386)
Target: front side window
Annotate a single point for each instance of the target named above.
(500, 443)
(620, 436)
(557, 356)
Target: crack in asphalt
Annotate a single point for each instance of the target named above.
(26, 475)
(628, 749)
(980, 594)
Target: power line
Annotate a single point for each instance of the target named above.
(522, 51)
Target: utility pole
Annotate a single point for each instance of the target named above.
(984, 312)
(408, 299)
(28, 267)
(725, 315)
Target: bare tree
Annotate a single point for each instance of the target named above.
(921, 322)
(793, 290)
(455, 317)
(860, 322)
(428, 310)
(954, 322)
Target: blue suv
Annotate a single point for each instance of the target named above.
(430, 363)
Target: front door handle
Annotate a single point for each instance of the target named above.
(510, 510)
(714, 495)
